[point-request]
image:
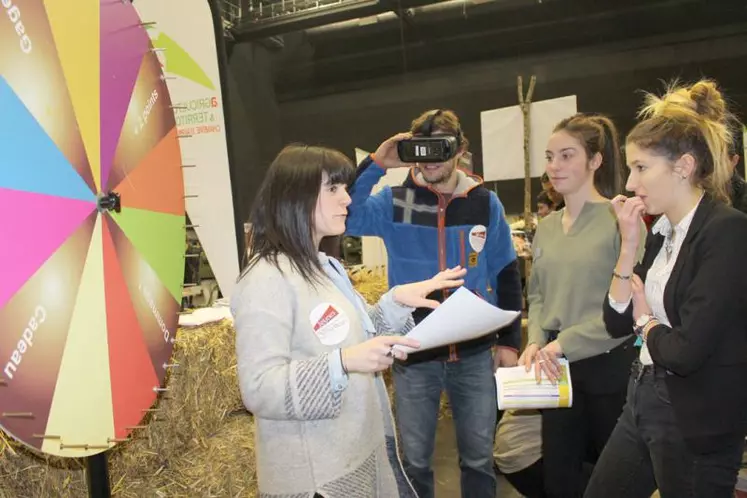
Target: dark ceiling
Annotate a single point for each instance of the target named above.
(324, 53)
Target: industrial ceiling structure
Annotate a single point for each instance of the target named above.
(328, 45)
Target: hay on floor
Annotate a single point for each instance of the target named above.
(199, 443)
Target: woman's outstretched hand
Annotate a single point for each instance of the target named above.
(414, 294)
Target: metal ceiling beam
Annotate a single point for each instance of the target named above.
(540, 27)
(251, 29)
(395, 7)
(422, 14)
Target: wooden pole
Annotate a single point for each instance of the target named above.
(525, 105)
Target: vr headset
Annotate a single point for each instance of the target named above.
(426, 148)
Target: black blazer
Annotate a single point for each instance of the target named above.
(705, 350)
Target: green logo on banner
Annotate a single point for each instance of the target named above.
(179, 62)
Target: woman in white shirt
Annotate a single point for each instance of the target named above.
(683, 427)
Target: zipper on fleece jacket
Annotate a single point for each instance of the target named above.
(453, 356)
(442, 205)
(442, 236)
(462, 257)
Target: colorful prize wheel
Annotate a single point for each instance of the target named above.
(91, 224)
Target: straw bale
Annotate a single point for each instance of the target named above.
(26, 474)
(371, 283)
(199, 443)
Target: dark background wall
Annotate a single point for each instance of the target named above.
(254, 121)
(608, 81)
(309, 92)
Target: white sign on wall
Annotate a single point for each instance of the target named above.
(503, 137)
(183, 35)
(373, 248)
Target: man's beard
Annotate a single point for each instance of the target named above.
(445, 173)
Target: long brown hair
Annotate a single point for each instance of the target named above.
(691, 120)
(282, 217)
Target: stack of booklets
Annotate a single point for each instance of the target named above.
(519, 389)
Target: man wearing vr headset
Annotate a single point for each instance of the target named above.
(441, 217)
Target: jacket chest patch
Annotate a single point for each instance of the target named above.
(331, 324)
(477, 236)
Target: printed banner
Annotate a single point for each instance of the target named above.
(183, 37)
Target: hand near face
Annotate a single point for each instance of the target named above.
(629, 212)
(387, 156)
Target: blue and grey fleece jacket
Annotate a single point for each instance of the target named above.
(426, 232)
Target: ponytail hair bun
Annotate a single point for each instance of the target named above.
(691, 120)
(708, 101)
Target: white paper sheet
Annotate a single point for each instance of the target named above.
(461, 317)
(502, 144)
(518, 389)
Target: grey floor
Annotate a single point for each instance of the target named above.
(446, 465)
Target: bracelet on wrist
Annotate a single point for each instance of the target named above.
(647, 328)
(621, 277)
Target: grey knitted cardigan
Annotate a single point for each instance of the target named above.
(310, 437)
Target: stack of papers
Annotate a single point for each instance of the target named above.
(518, 389)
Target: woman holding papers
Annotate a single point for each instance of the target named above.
(575, 250)
(683, 427)
(308, 346)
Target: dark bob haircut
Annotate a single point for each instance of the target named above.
(282, 216)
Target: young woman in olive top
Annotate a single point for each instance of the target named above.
(575, 250)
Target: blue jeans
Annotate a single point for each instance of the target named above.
(470, 386)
